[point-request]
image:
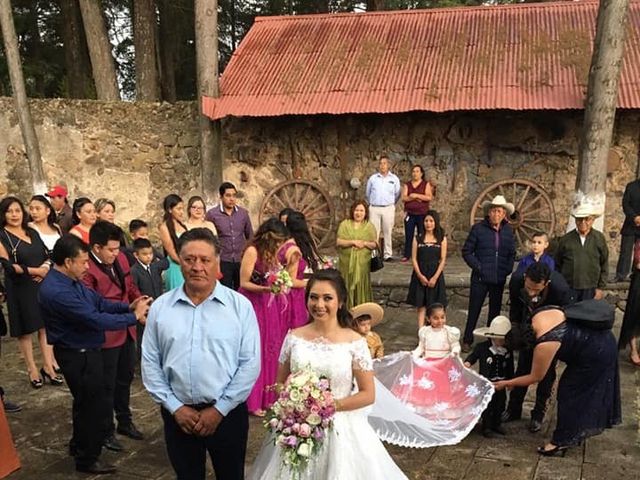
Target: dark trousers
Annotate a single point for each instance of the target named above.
(227, 447)
(492, 416)
(411, 224)
(230, 274)
(83, 372)
(543, 390)
(119, 365)
(584, 294)
(477, 293)
(626, 253)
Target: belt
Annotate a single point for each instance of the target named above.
(79, 350)
(202, 406)
(383, 206)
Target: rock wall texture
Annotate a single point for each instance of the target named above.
(134, 154)
(138, 153)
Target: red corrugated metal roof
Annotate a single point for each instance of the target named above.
(517, 57)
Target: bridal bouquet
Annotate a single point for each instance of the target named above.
(279, 281)
(301, 417)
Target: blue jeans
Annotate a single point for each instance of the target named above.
(411, 222)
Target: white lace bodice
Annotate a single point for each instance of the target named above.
(437, 343)
(335, 360)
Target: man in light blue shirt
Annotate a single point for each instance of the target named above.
(200, 359)
(382, 193)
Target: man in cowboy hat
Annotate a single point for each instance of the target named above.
(490, 251)
(496, 363)
(367, 316)
(582, 255)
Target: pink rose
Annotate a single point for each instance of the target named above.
(305, 430)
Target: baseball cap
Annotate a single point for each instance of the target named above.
(57, 191)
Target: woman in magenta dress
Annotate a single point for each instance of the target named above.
(297, 254)
(260, 257)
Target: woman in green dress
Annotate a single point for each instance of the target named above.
(356, 238)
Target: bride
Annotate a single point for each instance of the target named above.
(331, 347)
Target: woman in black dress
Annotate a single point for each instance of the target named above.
(630, 330)
(25, 260)
(589, 388)
(428, 255)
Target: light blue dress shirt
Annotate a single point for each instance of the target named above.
(383, 190)
(201, 354)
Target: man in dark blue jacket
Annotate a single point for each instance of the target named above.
(76, 318)
(490, 251)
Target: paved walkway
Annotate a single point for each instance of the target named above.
(42, 430)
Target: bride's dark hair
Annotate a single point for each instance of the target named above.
(345, 319)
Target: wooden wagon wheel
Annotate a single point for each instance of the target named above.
(306, 197)
(534, 209)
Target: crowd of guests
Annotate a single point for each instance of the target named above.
(81, 265)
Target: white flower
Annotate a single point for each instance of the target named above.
(425, 383)
(454, 374)
(472, 390)
(304, 450)
(405, 380)
(441, 407)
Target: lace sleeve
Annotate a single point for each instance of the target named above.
(361, 356)
(285, 351)
(453, 334)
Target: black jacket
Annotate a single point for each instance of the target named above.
(479, 252)
(149, 283)
(558, 293)
(631, 207)
(493, 366)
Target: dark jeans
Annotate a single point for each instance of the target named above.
(411, 223)
(543, 390)
(119, 365)
(83, 372)
(584, 294)
(230, 274)
(227, 447)
(626, 253)
(477, 293)
(492, 416)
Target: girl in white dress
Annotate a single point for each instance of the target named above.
(331, 347)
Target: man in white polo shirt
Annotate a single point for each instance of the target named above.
(382, 193)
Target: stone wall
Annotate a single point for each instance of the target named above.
(136, 153)
(462, 152)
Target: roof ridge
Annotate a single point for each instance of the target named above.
(418, 11)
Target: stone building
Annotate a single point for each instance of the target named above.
(475, 95)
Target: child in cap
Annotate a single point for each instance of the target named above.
(367, 316)
(496, 363)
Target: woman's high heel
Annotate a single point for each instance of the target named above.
(37, 383)
(553, 452)
(56, 380)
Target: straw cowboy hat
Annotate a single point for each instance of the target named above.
(373, 310)
(498, 328)
(499, 201)
(584, 210)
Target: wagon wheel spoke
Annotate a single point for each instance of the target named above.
(532, 203)
(539, 220)
(519, 238)
(295, 195)
(523, 228)
(524, 196)
(277, 198)
(308, 207)
(541, 208)
(303, 200)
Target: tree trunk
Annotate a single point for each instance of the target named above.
(601, 102)
(375, 5)
(29, 137)
(76, 55)
(144, 38)
(167, 43)
(206, 20)
(102, 62)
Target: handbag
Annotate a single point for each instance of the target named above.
(377, 263)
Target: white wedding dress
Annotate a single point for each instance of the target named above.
(352, 450)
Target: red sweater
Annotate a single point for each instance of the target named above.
(97, 279)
